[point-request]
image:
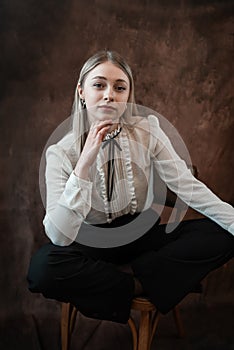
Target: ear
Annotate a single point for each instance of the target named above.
(80, 91)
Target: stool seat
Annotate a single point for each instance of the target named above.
(142, 303)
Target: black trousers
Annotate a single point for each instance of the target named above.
(168, 266)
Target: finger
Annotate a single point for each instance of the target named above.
(95, 128)
(100, 124)
(102, 133)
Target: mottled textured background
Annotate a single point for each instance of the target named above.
(181, 53)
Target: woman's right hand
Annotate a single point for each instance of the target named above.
(92, 145)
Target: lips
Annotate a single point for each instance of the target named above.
(107, 108)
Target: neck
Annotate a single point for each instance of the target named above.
(114, 127)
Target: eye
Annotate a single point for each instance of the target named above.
(98, 85)
(120, 88)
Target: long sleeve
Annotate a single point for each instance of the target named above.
(68, 198)
(175, 173)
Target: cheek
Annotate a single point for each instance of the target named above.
(92, 96)
(127, 96)
(122, 97)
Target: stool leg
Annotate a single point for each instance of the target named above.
(178, 322)
(144, 331)
(73, 319)
(68, 316)
(134, 332)
(154, 326)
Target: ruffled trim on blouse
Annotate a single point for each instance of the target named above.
(103, 187)
(130, 179)
(127, 165)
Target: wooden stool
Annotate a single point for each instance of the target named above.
(149, 318)
(68, 319)
(142, 336)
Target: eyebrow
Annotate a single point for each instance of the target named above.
(100, 77)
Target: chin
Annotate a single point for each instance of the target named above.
(110, 116)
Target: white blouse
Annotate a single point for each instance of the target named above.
(143, 148)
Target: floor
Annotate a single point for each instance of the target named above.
(208, 327)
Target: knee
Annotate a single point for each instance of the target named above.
(222, 243)
(204, 239)
(39, 275)
(230, 245)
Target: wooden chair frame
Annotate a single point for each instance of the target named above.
(142, 334)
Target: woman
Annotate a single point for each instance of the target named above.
(99, 184)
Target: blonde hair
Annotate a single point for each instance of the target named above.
(80, 124)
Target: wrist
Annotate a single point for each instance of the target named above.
(82, 172)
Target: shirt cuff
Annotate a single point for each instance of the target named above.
(231, 229)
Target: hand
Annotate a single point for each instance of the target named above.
(92, 145)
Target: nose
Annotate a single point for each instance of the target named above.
(109, 94)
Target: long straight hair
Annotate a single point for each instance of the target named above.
(80, 125)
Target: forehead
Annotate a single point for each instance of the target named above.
(109, 71)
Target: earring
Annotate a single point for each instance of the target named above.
(83, 103)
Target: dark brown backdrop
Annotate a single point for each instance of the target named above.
(181, 53)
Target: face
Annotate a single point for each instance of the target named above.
(106, 91)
